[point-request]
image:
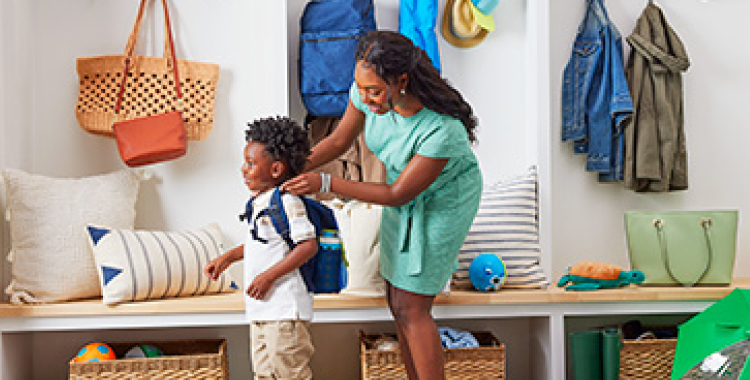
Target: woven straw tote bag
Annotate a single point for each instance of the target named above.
(149, 87)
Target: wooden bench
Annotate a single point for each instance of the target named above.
(546, 310)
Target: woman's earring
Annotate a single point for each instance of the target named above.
(403, 92)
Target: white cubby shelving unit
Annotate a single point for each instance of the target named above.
(512, 80)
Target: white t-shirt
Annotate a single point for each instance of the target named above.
(288, 298)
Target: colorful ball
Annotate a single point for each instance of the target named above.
(143, 351)
(487, 272)
(95, 352)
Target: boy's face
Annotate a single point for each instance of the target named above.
(260, 171)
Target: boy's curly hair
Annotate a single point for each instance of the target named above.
(285, 141)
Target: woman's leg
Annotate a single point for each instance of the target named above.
(421, 348)
(405, 354)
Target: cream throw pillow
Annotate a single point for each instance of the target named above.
(142, 265)
(50, 257)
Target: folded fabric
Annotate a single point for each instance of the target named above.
(453, 338)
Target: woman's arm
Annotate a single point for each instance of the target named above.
(418, 175)
(339, 140)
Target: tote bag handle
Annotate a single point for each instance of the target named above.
(706, 223)
(169, 54)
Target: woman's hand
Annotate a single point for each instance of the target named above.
(305, 183)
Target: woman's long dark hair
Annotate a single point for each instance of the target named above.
(391, 54)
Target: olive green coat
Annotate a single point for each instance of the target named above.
(655, 151)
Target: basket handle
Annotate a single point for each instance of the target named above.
(169, 52)
(133, 39)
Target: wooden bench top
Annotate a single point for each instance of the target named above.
(234, 302)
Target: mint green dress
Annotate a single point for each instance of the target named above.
(420, 240)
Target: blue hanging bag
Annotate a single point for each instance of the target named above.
(329, 32)
(324, 272)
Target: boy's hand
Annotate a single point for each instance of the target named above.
(218, 265)
(260, 286)
(215, 267)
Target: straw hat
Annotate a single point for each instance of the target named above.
(460, 28)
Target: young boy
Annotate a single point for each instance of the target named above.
(278, 303)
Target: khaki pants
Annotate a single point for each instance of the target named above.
(281, 350)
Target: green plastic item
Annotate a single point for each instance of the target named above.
(683, 247)
(723, 324)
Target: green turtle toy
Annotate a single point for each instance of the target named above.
(591, 275)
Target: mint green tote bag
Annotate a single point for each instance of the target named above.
(683, 247)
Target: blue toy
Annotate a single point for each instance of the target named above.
(487, 272)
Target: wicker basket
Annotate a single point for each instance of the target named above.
(647, 359)
(184, 359)
(478, 363)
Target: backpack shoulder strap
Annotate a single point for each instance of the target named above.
(248, 211)
(279, 218)
(281, 224)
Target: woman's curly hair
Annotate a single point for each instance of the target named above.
(285, 141)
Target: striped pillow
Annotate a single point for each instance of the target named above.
(506, 225)
(141, 265)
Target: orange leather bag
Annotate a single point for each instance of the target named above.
(161, 137)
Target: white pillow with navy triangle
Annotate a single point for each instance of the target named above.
(136, 265)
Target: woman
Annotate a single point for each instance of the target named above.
(422, 129)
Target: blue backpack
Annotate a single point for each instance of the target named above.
(329, 32)
(324, 272)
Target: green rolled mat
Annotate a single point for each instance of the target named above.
(611, 345)
(586, 354)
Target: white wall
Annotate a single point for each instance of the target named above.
(587, 217)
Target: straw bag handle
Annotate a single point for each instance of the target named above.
(706, 223)
(133, 39)
(169, 53)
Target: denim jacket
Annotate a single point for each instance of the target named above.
(595, 95)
